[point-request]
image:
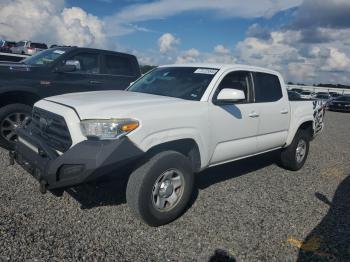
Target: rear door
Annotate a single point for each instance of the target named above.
(119, 71)
(272, 102)
(235, 124)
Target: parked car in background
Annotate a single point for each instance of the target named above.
(334, 94)
(307, 95)
(341, 103)
(173, 122)
(298, 90)
(322, 93)
(5, 46)
(58, 71)
(55, 45)
(324, 97)
(28, 48)
(294, 96)
(19, 47)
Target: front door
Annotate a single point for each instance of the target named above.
(235, 125)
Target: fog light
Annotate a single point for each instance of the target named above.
(69, 171)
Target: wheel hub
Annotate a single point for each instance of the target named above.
(9, 124)
(300, 151)
(166, 189)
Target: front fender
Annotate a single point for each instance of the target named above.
(171, 135)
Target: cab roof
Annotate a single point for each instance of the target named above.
(224, 67)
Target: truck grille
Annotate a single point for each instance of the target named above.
(51, 128)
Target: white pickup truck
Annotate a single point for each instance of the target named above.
(173, 122)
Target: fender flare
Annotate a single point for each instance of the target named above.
(173, 135)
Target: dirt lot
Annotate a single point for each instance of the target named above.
(251, 209)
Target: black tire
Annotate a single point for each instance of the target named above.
(141, 185)
(288, 158)
(7, 111)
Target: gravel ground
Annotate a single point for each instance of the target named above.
(250, 210)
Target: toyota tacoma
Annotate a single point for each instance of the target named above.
(171, 123)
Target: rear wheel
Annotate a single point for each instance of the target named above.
(158, 191)
(294, 156)
(11, 116)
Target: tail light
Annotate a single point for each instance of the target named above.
(30, 48)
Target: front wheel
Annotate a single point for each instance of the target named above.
(11, 116)
(159, 190)
(294, 156)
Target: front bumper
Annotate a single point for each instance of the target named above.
(85, 161)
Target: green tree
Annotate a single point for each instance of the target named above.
(145, 68)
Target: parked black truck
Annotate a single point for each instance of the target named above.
(57, 71)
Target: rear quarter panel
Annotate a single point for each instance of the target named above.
(305, 111)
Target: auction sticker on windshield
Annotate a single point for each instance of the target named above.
(206, 71)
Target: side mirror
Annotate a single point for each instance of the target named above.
(69, 66)
(230, 95)
(75, 63)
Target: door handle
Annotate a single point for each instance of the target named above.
(95, 82)
(284, 112)
(253, 115)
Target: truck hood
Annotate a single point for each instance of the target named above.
(112, 104)
(15, 66)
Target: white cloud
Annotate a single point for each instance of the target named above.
(119, 23)
(189, 56)
(337, 61)
(167, 42)
(298, 61)
(228, 8)
(192, 55)
(301, 71)
(220, 49)
(48, 21)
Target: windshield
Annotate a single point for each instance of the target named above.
(44, 58)
(182, 82)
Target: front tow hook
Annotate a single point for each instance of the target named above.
(43, 187)
(12, 155)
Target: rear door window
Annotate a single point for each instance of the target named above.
(118, 65)
(267, 88)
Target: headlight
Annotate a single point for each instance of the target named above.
(109, 128)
